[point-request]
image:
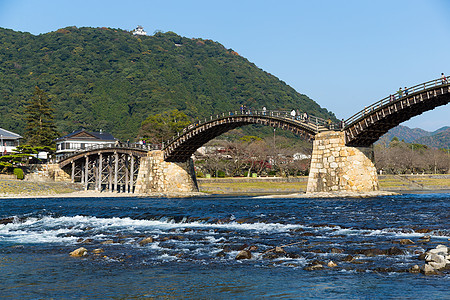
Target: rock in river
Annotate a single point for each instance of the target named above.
(437, 259)
(79, 252)
(146, 241)
(404, 242)
(313, 267)
(244, 254)
(331, 264)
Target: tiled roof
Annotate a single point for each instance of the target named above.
(9, 135)
(83, 134)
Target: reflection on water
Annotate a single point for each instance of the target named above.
(194, 244)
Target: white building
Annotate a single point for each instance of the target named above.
(139, 31)
(8, 141)
(300, 156)
(81, 139)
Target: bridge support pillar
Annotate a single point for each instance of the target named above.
(157, 175)
(336, 167)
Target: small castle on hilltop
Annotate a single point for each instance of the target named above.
(139, 31)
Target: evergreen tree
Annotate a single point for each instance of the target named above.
(40, 129)
(160, 127)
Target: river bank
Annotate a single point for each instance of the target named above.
(10, 188)
(278, 185)
(294, 187)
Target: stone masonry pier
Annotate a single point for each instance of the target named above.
(336, 167)
(157, 175)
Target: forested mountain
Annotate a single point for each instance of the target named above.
(103, 78)
(436, 139)
(405, 133)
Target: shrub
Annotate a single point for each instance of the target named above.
(19, 173)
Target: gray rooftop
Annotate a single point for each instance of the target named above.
(5, 134)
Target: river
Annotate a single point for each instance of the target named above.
(196, 241)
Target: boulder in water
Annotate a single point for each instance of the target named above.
(440, 250)
(253, 248)
(313, 267)
(372, 252)
(348, 258)
(244, 254)
(404, 242)
(336, 250)
(429, 270)
(431, 257)
(7, 220)
(221, 254)
(414, 269)
(437, 266)
(80, 252)
(394, 251)
(146, 241)
(279, 250)
(331, 264)
(107, 242)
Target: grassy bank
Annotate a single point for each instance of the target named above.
(248, 186)
(11, 187)
(292, 185)
(244, 186)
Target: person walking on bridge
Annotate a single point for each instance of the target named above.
(293, 114)
(443, 79)
(400, 93)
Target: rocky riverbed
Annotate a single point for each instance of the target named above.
(128, 244)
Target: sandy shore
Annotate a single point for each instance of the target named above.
(95, 194)
(333, 195)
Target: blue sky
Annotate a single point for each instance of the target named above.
(343, 54)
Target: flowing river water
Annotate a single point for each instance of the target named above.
(195, 242)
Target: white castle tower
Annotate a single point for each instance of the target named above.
(139, 31)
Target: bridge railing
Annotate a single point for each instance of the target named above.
(133, 146)
(300, 116)
(393, 98)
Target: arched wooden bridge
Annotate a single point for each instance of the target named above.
(181, 147)
(115, 167)
(366, 126)
(109, 167)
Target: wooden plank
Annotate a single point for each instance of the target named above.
(86, 172)
(116, 170)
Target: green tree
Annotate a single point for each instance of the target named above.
(40, 129)
(161, 127)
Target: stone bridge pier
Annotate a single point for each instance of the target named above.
(157, 175)
(336, 167)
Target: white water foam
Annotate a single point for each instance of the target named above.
(65, 229)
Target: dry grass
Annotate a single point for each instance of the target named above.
(433, 182)
(252, 187)
(20, 187)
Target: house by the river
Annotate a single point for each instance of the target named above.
(82, 139)
(8, 141)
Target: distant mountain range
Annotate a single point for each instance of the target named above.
(436, 139)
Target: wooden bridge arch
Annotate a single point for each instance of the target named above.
(368, 125)
(181, 148)
(114, 168)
